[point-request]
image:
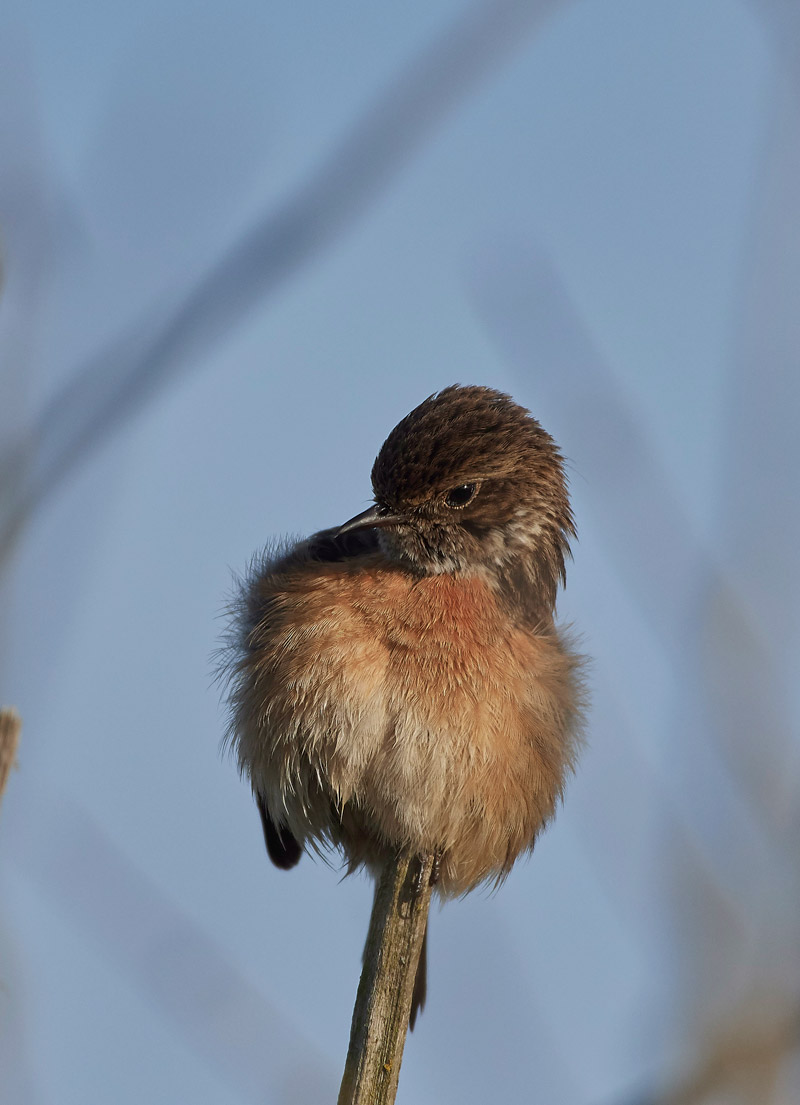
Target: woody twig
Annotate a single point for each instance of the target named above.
(10, 728)
(383, 1003)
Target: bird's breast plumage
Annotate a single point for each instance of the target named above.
(375, 708)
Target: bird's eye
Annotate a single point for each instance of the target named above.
(460, 496)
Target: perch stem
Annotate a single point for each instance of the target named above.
(383, 1003)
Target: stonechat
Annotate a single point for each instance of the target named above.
(399, 681)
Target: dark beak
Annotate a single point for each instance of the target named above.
(376, 516)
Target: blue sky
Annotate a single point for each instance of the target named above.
(603, 225)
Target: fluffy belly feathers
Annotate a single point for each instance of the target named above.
(418, 693)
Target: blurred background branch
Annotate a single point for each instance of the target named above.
(181, 972)
(742, 1063)
(99, 395)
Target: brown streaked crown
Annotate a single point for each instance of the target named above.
(519, 508)
(459, 432)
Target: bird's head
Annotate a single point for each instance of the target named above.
(470, 482)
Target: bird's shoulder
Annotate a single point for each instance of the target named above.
(290, 558)
(294, 571)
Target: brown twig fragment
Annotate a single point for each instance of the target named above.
(383, 1003)
(10, 728)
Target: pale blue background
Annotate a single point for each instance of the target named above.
(604, 222)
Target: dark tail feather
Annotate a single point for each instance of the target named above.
(420, 984)
(283, 849)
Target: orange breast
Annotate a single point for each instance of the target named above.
(422, 705)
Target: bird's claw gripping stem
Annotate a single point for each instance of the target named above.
(436, 870)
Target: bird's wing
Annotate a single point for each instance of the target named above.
(326, 547)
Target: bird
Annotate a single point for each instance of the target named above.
(399, 681)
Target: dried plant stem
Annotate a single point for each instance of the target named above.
(10, 727)
(383, 1003)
